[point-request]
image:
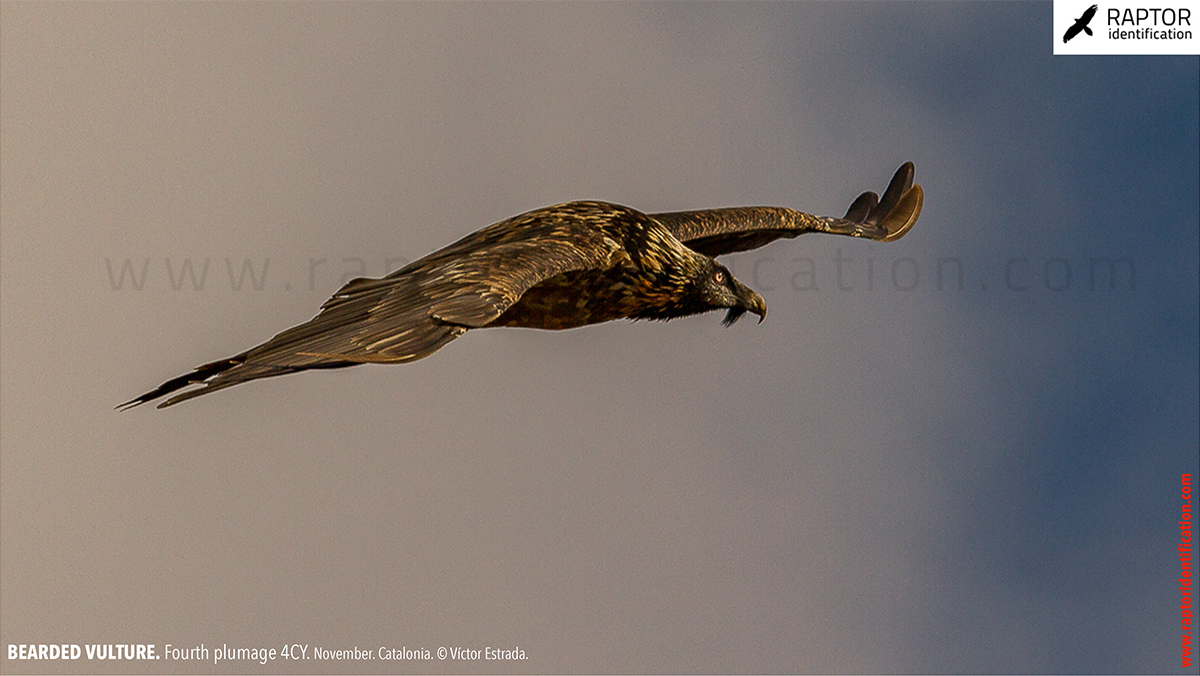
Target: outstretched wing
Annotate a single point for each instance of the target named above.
(416, 310)
(714, 232)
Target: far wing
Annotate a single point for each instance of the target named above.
(714, 232)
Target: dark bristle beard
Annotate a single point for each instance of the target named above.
(735, 313)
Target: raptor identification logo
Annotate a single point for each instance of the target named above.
(1127, 27)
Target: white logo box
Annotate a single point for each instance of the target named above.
(1128, 27)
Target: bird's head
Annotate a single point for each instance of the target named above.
(719, 289)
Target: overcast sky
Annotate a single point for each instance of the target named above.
(893, 473)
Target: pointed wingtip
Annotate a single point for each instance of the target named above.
(133, 403)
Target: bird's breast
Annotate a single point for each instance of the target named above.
(579, 298)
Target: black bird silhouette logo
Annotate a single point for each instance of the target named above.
(1081, 24)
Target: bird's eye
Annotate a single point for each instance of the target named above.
(719, 276)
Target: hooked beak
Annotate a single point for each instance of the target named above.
(748, 301)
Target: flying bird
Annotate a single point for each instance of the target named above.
(1081, 24)
(558, 267)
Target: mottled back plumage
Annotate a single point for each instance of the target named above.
(557, 267)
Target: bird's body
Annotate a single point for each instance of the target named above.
(559, 267)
